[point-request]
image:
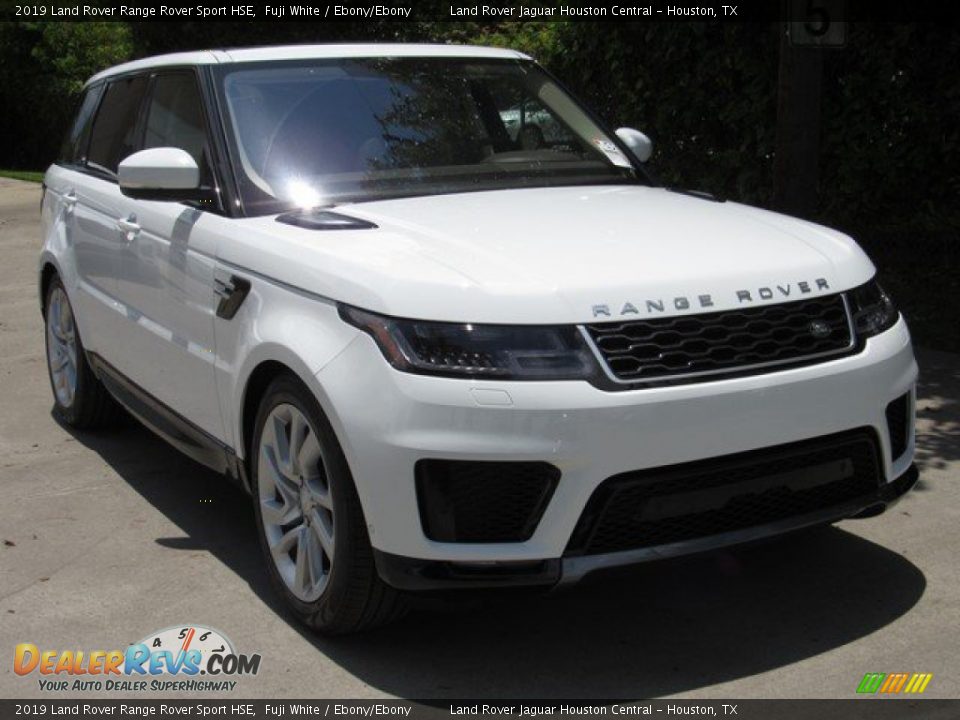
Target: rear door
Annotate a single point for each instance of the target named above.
(98, 205)
(78, 268)
(165, 278)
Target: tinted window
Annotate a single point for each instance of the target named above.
(175, 118)
(74, 148)
(114, 131)
(326, 131)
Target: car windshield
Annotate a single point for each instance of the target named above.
(320, 132)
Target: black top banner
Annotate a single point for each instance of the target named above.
(818, 15)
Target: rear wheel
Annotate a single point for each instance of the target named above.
(309, 518)
(80, 399)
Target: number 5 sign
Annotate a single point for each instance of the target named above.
(819, 23)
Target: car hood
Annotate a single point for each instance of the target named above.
(555, 255)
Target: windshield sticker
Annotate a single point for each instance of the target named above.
(612, 152)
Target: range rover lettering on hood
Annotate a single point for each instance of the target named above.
(682, 303)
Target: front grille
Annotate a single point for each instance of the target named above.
(697, 500)
(652, 349)
(899, 425)
(483, 502)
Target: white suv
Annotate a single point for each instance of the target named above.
(443, 346)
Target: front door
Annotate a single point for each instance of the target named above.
(165, 279)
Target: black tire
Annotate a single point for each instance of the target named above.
(355, 598)
(92, 406)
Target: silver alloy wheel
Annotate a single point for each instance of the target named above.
(62, 347)
(296, 504)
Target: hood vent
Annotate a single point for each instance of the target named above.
(324, 220)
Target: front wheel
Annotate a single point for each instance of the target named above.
(309, 518)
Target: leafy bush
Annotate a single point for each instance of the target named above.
(43, 70)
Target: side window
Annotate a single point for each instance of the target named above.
(74, 148)
(113, 136)
(175, 119)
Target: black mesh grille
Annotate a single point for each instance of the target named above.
(720, 342)
(899, 425)
(696, 500)
(466, 501)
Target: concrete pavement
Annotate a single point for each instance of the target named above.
(107, 537)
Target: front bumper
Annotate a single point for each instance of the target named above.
(387, 421)
(419, 575)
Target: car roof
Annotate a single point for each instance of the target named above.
(307, 52)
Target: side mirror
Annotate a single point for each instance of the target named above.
(639, 144)
(163, 173)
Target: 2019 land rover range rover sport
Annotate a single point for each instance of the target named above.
(446, 330)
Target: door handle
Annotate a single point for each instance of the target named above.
(70, 199)
(129, 227)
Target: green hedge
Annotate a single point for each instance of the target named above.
(42, 68)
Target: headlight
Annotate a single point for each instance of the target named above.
(873, 310)
(502, 352)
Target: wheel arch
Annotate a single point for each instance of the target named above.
(270, 362)
(48, 271)
(255, 388)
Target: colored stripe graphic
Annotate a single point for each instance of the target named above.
(871, 682)
(922, 683)
(893, 683)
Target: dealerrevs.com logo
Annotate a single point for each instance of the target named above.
(178, 658)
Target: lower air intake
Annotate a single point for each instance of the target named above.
(697, 500)
(483, 502)
(899, 425)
